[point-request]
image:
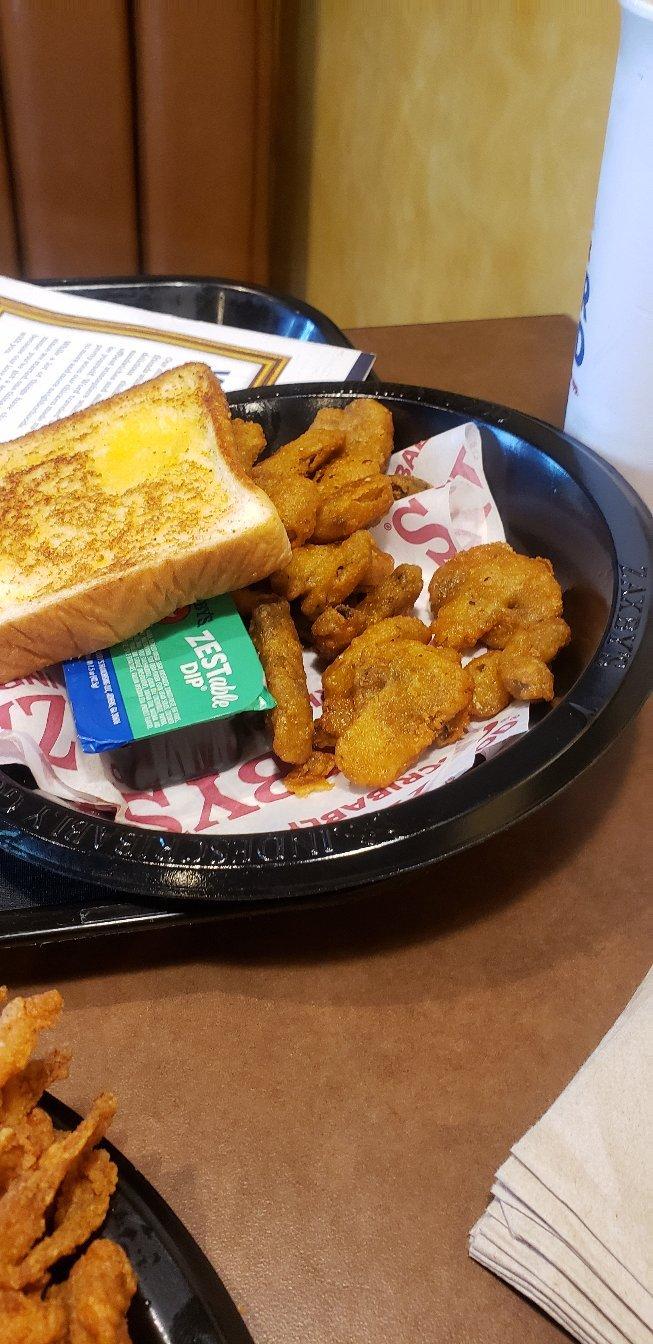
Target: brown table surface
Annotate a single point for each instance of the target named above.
(323, 1097)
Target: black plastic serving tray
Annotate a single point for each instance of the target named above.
(557, 498)
(39, 905)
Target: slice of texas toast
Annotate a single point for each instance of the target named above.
(112, 518)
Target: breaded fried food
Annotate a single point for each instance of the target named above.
(25, 1318)
(312, 776)
(360, 672)
(249, 441)
(490, 592)
(353, 489)
(366, 425)
(306, 455)
(22, 1092)
(519, 671)
(347, 507)
(22, 1145)
(24, 1206)
(246, 600)
(55, 1189)
(323, 576)
(294, 497)
(21, 1022)
(403, 486)
(97, 1294)
(423, 693)
(275, 639)
(489, 694)
(80, 1209)
(335, 628)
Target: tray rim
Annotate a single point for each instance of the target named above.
(333, 334)
(371, 848)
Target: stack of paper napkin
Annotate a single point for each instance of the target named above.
(571, 1221)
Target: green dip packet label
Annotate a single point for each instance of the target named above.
(195, 666)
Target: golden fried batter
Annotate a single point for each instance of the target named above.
(294, 497)
(312, 776)
(323, 576)
(361, 671)
(489, 593)
(24, 1206)
(423, 692)
(337, 626)
(403, 486)
(489, 695)
(246, 600)
(21, 1022)
(80, 1209)
(54, 1193)
(249, 440)
(368, 439)
(26, 1319)
(305, 455)
(96, 1295)
(276, 641)
(341, 510)
(23, 1091)
(520, 670)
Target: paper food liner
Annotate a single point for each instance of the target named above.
(37, 729)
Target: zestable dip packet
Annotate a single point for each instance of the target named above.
(178, 682)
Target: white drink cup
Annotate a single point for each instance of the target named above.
(610, 403)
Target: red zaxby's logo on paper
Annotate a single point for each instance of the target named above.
(176, 616)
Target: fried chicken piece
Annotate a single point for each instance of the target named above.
(520, 670)
(344, 508)
(80, 1209)
(25, 1318)
(423, 693)
(312, 776)
(22, 1092)
(97, 1294)
(22, 1145)
(295, 498)
(14, 1156)
(323, 576)
(403, 486)
(249, 440)
(275, 639)
(24, 1205)
(489, 593)
(361, 671)
(21, 1022)
(335, 628)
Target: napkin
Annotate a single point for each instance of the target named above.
(571, 1220)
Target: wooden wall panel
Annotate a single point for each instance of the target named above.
(8, 250)
(67, 91)
(204, 88)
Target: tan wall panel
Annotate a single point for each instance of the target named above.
(67, 93)
(204, 74)
(440, 159)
